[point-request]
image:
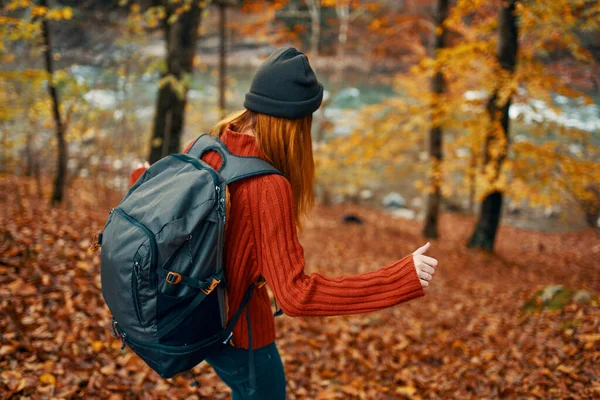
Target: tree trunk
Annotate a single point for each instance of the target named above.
(29, 154)
(4, 150)
(497, 135)
(37, 174)
(472, 177)
(591, 205)
(222, 59)
(438, 85)
(61, 170)
(314, 9)
(180, 38)
(592, 217)
(343, 13)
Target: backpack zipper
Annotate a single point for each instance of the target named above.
(221, 212)
(167, 264)
(183, 349)
(134, 291)
(220, 203)
(150, 235)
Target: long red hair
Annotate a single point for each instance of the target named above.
(287, 145)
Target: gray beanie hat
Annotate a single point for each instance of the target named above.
(285, 86)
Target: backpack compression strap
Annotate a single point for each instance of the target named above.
(233, 168)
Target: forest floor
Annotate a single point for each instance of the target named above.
(468, 338)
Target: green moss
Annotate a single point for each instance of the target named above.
(559, 300)
(570, 324)
(534, 303)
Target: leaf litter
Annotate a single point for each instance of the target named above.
(468, 338)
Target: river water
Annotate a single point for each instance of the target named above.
(359, 90)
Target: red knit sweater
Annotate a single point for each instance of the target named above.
(261, 239)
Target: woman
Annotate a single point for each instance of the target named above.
(261, 237)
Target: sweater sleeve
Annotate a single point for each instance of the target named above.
(189, 146)
(281, 263)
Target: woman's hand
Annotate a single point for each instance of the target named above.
(424, 265)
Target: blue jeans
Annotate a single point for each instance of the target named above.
(231, 365)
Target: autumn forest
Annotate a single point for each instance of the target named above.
(471, 124)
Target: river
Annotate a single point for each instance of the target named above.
(359, 90)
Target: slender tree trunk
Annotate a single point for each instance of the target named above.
(180, 38)
(472, 176)
(37, 174)
(497, 136)
(316, 34)
(4, 150)
(29, 154)
(61, 171)
(343, 13)
(222, 58)
(314, 9)
(438, 87)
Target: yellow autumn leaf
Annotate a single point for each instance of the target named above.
(97, 345)
(38, 11)
(83, 265)
(108, 369)
(592, 337)
(351, 390)
(47, 379)
(13, 380)
(406, 390)
(67, 13)
(564, 369)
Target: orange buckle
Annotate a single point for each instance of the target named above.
(173, 278)
(212, 286)
(262, 282)
(95, 245)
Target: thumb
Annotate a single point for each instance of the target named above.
(422, 250)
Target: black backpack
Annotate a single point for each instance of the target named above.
(162, 258)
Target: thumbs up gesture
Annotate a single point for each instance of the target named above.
(424, 265)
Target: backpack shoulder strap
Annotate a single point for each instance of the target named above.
(233, 168)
